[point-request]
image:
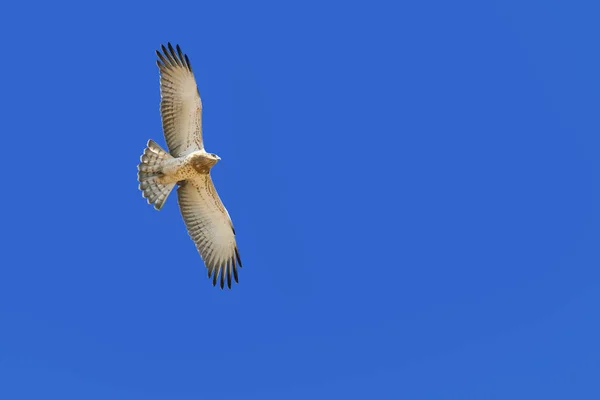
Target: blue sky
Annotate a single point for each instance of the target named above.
(414, 186)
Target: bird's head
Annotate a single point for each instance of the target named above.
(215, 157)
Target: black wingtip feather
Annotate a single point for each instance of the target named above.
(187, 60)
(229, 274)
(222, 276)
(172, 51)
(162, 58)
(180, 54)
(234, 267)
(237, 255)
(166, 53)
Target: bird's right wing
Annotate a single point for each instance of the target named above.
(210, 227)
(180, 105)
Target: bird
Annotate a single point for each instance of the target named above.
(187, 164)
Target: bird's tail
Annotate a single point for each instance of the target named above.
(149, 169)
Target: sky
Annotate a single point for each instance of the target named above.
(414, 187)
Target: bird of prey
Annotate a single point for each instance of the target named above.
(188, 165)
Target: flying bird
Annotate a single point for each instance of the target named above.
(187, 164)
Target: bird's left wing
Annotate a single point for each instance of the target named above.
(180, 104)
(210, 227)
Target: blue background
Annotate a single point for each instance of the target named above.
(414, 186)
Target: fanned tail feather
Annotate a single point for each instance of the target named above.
(149, 169)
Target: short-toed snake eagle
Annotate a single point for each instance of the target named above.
(188, 165)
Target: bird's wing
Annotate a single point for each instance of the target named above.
(180, 105)
(210, 227)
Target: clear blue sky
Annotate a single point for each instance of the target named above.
(415, 188)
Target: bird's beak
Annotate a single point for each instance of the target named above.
(218, 158)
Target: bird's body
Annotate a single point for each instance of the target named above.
(188, 165)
